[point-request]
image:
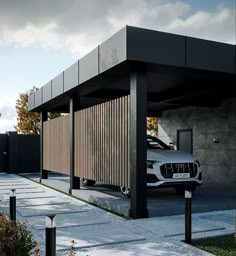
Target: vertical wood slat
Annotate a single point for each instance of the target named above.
(57, 147)
(102, 137)
(128, 139)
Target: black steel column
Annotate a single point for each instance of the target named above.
(74, 181)
(43, 173)
(138, 145)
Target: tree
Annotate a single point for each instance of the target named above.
(28, 122)
(152, 126)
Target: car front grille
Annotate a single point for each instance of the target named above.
(168, 169)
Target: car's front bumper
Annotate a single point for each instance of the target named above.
(155, 179)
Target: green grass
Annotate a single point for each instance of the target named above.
(219, 246)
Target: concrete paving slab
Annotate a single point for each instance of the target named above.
(29, 195)
(224, 218)
(58, 184)
(20, 187)
(142, 248)
(39, 201)
(91, 236)
(23, 191)
(175, 224)
(12, 185)
(106, 201)
(68, 220)
(12, 181)
(6, 199)
(42, 210)
(4, 209)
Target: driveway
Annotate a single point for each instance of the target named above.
(161, 202)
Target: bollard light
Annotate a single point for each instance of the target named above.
(12, 205)
(188, 216)
(12, 192)
(50, 221)
(50, 235)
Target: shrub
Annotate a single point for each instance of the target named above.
(15, 239)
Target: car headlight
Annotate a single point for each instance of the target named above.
(197, 162)
(150, 164)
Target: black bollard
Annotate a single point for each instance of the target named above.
(13, 204)
(188, 216)
(50, 234)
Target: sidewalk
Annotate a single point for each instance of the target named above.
(98, 232)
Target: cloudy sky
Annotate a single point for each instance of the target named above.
(41, 38)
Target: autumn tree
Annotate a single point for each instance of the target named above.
(28, 122)
(152, 126)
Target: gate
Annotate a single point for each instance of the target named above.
(3, 152)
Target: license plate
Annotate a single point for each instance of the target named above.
(181, 175)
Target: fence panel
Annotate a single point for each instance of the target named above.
(101, 142)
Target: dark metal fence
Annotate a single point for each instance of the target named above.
(19, 153)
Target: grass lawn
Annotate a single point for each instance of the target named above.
(219, 246)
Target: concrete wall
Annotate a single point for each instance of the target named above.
(218, 160)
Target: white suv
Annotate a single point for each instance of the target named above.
(169, 168)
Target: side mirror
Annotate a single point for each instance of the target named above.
(172, 145)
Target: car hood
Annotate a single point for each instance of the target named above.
(169, 156)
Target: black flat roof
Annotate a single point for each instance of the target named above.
(180, 71)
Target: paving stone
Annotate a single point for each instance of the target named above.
(143, 248)
(224, 218)
(39, 201)
(23, 191)
(41, 210)
(12, 185)
(4, 209)
(16, 181)
(18, 187)
(68, 220)
(175, 224)
(90, 236)
(29, 195)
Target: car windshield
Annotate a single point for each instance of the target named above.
(155, 143)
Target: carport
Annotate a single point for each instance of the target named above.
(109, 93)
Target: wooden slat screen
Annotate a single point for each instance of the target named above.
(56, 145)
(102, 142)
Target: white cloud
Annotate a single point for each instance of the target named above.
(81, 25)
(8, 115)
(7, 125)
(218, 26)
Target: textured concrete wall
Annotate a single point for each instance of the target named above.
(218, 160)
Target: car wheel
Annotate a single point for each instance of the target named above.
(87, 182)
(181, 190)
(125, 191)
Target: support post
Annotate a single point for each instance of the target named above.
(12, 204)
(138, 145)
(74, 181)
(188, 216)
(50, 235)
(43, 173)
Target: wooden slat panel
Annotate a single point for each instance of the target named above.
(56, 151)
(102, 142)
